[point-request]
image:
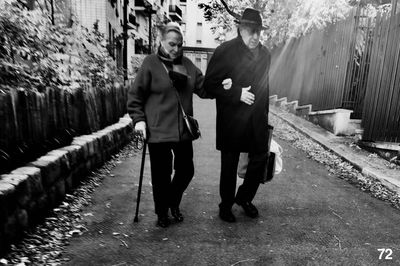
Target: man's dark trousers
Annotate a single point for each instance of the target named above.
(163, 157)
(251, 182)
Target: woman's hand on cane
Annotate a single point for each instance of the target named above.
(141, 127)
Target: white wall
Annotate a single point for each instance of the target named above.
(192, 15)
(88, 11)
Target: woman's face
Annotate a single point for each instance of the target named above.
(172, 44)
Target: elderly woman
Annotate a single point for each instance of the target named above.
(166, 81)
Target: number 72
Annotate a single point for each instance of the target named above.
(386, 251)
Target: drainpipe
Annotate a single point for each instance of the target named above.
(125, 34)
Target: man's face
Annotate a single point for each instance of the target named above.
(172, 44)
(250, 35)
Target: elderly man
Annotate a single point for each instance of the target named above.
(237, 76)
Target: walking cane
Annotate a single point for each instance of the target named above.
(136, 219)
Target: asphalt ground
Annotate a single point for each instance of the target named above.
(307, 217)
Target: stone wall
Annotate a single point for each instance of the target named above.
(29, 192)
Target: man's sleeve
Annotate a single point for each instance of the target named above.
(137, 94)
(218, 69)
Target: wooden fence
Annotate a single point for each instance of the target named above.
(313, 69)
(35, 122)
(381, 114)
(353, 64)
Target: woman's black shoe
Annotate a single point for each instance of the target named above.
(176, 213)
(163, 221)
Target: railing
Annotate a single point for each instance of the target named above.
(175, 12)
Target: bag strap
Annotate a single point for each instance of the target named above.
(176, 92)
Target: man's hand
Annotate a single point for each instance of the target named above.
(141, 127)
(227, 83)
(247, 97)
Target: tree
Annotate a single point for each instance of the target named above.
(34, 54)
(285, 18)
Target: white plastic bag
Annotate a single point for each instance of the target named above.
(244, 159)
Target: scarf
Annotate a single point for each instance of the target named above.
(167, 60)
(176, 70)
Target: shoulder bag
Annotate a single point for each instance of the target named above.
(190, 122)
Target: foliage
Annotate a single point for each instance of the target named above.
(24, 56)
(35, 54)
(285, 18)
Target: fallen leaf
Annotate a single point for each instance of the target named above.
(75, 232)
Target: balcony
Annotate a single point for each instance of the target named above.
(165, 19)
(142, 6)
(132, 24)
(175, 13)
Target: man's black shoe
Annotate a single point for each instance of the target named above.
(163, 221)
(249, 209)
(176, 213)
(227, 215)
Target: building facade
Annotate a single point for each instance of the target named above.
(144, 18)
(108, 14)
(199, 42)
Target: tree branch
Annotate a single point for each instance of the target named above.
(23, 4)
(235, 15)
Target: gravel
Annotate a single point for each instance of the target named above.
(335, 165)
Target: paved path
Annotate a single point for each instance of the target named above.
(307, 217)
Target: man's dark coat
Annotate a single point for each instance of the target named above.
(240, 127)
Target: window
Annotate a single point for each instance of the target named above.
(199, 32)
(197, 62)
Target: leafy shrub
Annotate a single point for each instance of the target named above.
(35, 54)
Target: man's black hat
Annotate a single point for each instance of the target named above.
(252, 17)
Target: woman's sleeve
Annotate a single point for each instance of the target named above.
(199, 88)
(218, 69)
(138, 92)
